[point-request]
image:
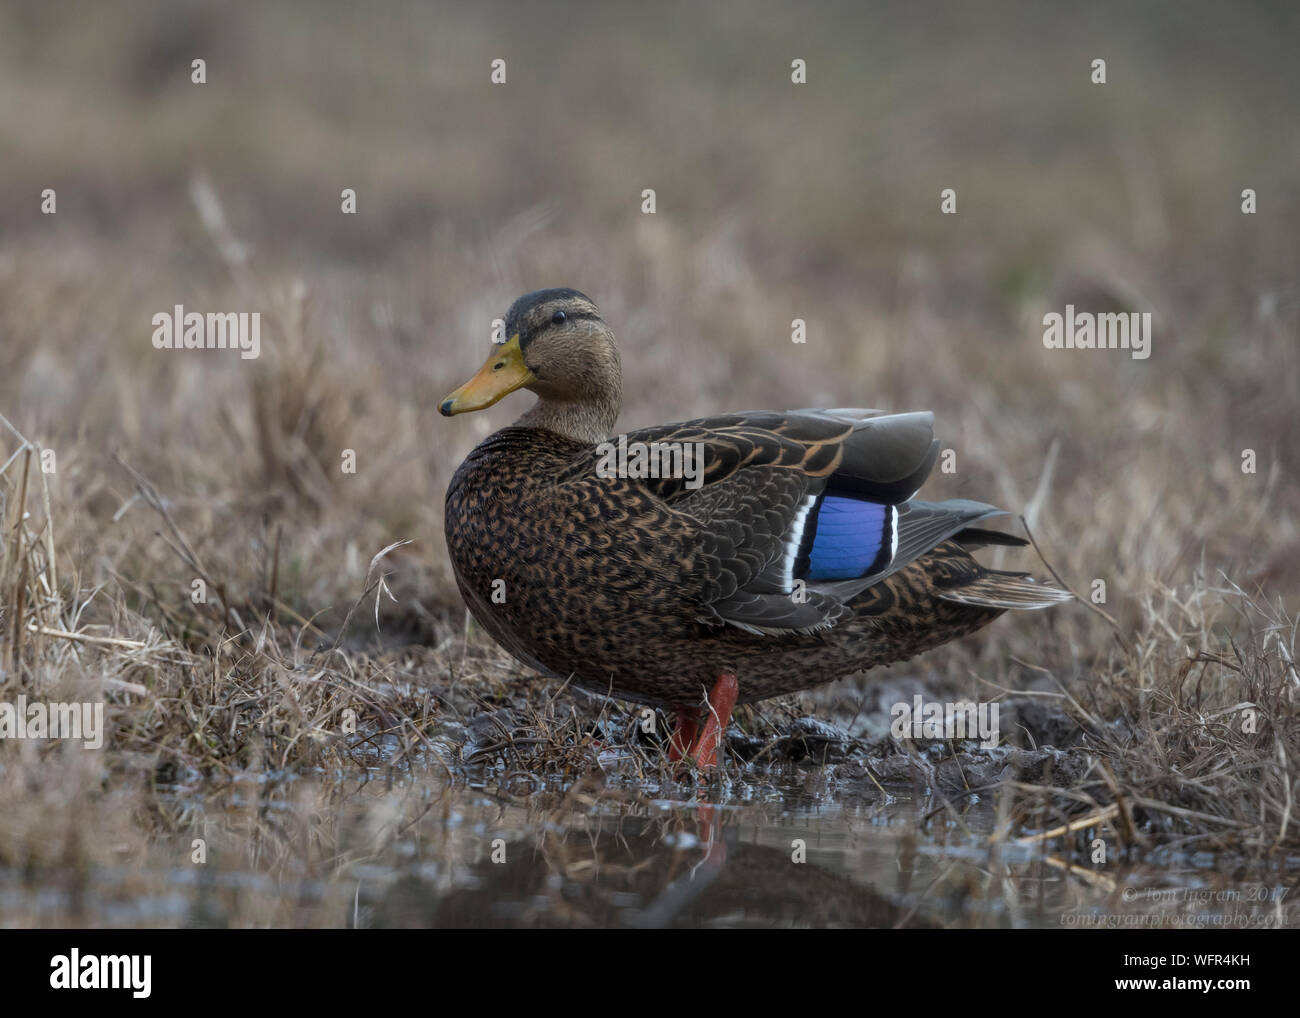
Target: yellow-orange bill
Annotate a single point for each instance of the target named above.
(501, 374)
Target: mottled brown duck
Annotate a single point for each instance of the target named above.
(707, 563)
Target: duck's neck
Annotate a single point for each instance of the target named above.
(587, 421)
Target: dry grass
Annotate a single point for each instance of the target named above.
(172, 468)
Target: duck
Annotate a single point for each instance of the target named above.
(709, 563)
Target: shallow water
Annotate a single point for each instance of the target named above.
(792, 862)
(425, 852)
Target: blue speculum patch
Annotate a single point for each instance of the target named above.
(850, 534)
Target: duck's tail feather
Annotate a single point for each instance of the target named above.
(1011, 591)
(978, 537)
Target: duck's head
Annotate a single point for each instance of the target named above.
(558, 347)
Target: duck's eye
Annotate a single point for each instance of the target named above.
(559, 318)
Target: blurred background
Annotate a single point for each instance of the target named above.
(774, 201)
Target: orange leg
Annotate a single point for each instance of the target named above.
(721, 702)
(685, 730)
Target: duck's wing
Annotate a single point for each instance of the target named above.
(793, 514)
(883, 456)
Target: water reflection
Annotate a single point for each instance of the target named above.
(423, 851)
(782, 863)
(640, 872)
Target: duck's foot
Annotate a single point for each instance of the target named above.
(722, 700)
(688, 741)
(686, 729)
